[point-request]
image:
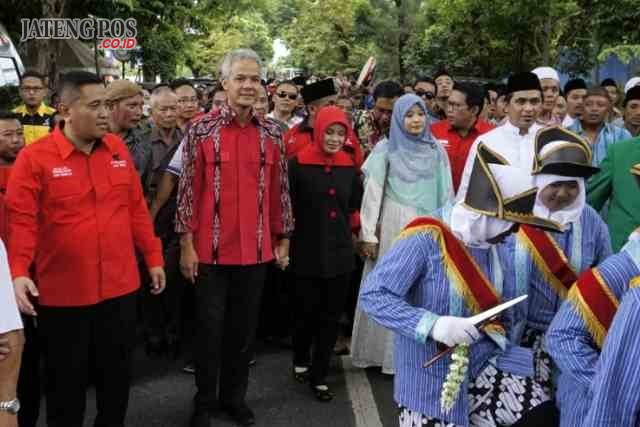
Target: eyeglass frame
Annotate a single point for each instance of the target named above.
(291, 96)
(422, 94)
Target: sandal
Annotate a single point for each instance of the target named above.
(322, 392)
(301, 374)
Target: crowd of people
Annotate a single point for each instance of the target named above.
(330, 219)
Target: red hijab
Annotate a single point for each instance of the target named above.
(314, 154)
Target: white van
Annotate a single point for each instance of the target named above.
(11, 67)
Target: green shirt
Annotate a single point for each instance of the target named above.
(616, 184)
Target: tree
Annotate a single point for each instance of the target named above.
(322, 36)
(242, 30)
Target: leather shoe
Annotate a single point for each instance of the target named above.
(200, 418)
(241, 414)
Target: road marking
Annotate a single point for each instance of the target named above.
(364, 405)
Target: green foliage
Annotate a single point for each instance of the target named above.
(470, 37)
(242, 30)
(9, 97)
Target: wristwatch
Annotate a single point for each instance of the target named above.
(10, 406)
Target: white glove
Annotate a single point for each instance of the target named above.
(452, 331)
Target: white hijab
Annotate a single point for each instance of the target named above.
(474, 228)
(564, 216)
(569, 214)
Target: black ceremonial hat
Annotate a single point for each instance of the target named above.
(318, 90)
(523, 81)
(572, 155)
(484, 195)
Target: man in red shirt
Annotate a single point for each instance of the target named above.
(234, 215)
(462, 126)
(11, 142)
(76, 213)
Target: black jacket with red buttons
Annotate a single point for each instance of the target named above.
(326, 193)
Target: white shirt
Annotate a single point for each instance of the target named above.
(9, 315)
(505, 140)
(175, 165)
(567, 121)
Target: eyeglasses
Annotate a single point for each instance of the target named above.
(31, 89)
(428, 95)
(291, 96)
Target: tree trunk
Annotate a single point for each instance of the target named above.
(403, 37)
(148, 74)
(546, 48)
(48, 62)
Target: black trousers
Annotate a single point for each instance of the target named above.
(275, 310)
(318, 305)
(163, 313)
(227, 305)
(77, 339)
(29, 382)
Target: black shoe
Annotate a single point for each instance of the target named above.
(241, 414)
(200, 418)
(322, 392)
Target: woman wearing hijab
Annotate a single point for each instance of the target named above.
(550, 263)
(440, 272)
(406, 176)
(326, 193)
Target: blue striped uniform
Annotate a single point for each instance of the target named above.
(616, 401)
(607, 135)
(585, 244)
(569, 343)
(406, 292)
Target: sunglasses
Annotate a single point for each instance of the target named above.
(291, 96)
(428, 95)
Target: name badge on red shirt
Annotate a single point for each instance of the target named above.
(61, 171)
(119, 163)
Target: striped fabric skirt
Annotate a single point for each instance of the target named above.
(496, 398)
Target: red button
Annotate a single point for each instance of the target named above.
(327, 169)
(333, 214)
(332, 191)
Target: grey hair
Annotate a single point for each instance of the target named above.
(160, 93)
(237, 55)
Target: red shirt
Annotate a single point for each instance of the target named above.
(5, 171)
(234, 195)
(78, 217)
(458, 147)
(297, 139)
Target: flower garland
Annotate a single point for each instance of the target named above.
(455, 377)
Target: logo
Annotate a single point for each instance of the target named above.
(111, 33)
(61, 171)
(119, 163)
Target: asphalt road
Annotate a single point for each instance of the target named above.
(162, 396)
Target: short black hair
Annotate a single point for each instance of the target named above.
(425, 79)
(72, 82)
(175, 84)
(8, 115)
(474, 94)
(490, 87)
(608, 82)
(34, 74)
(442, 72)
(388, 89)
